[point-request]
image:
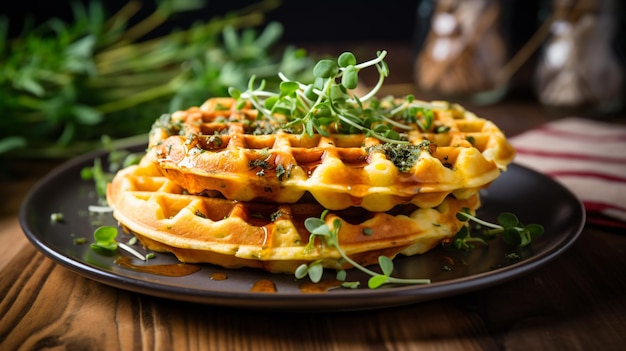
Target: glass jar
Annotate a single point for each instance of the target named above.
(578, 68)
(463, 52)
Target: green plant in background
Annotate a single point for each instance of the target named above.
(64, 85)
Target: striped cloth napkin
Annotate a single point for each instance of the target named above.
(588, 157)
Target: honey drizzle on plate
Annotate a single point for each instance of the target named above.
(169, 270)
(183, 269)
(264, 286)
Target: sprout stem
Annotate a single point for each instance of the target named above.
(131, 251)
(482, 222)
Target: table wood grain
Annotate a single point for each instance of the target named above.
(576, 302)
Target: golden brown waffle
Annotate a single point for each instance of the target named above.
(216, 148)
(266, 235)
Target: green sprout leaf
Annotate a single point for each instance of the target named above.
(316, 226)
(288, 88)
(386, 265)
(302, 271)
(377, 281)
(325, 69)
(511, 230)
(341, 275)
(315, 272)
(512, 237)
(346, 59)
(350, 78)
(508, 220)
(350, 285)
(104, 237)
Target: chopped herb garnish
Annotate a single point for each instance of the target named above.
(215, 140)
(263, 164)
(275, 215)
(403, 156)
(280, 172)
(513, 256)
(56, 217)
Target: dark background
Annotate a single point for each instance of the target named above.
(304, 21)
(323, 21)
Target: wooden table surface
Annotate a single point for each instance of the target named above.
(576, 302)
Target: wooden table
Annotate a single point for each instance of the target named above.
(576, 302)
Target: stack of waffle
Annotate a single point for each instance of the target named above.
(220, 185)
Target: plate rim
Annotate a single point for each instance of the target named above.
(346, 301)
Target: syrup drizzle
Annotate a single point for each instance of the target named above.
(218, 276)
(264, 286)
(183, 269)
(320, 287)
(169, 270)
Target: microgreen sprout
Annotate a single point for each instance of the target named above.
(106, 243)
(330, 105)
(509, 226)
(513, 232)
(104, 237)
(318, 228)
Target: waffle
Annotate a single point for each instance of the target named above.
(270, 236)
(220, 150)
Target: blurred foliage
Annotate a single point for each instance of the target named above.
(65, 85)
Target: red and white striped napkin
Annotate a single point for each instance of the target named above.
(588, 157)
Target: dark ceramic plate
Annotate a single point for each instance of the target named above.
(534, 197)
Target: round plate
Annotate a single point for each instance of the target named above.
(533, 197)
